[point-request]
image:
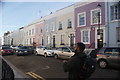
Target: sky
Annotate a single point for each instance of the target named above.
(14, 15)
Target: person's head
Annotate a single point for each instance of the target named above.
(80, 46)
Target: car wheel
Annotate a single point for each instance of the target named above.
(103, 64)
(36, 53)
(56, 56)
(45, 54)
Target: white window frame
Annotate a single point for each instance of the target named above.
(92, 16)
(84, 18)
(68, 23)
(61, 25)
(29, 32)
(32, 31)
(46, 27)
(52, 26)
(113, 15)
(88, 36)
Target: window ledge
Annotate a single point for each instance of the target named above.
(69, 27)
(86, 42)
(115, 20)
(81, 26)
(62, 44)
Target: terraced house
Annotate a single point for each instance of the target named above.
(50, 30)
(112, 24)
(89, 20)
(65, 27)
(39, 33)
(29, 34)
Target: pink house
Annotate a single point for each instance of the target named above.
(39, 33)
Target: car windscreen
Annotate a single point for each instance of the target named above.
(6, 48)
(23, 47)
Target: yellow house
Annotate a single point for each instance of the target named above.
(65, 31)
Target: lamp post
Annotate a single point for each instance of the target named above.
(98, 31)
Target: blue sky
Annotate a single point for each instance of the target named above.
(14, 15)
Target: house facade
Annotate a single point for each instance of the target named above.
(29, 34)
(112, 24)
(65, 31)
(88, 23)
(39, 32)
(50, 30)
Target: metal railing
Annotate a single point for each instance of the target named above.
(7, 72)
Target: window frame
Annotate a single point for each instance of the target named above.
(68, 23)
(112, 12)
(60, 24)
(78, 20)
(83, 36)
(52, 26)
(97, 16)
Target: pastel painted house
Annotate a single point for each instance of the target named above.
(38, 39)
(87, 23)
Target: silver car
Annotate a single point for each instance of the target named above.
(63, 53)
(109, 56)
(45, 51)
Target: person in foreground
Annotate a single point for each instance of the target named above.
(75, 64)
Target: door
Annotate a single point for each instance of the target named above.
(72, 40)
(53, 41)
(100, 39)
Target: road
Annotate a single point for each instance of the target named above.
(49, 68)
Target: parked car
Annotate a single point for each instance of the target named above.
(109, 56)
(25, 50)
(63, 53)
(6, 50)
(46, 51)
(14, 47)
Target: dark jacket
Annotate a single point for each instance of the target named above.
(74, 65)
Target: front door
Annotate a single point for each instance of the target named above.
(71, 40)
(100, 39)
(53, 41)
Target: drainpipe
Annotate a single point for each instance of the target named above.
(107, 24)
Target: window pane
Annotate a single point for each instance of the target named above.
(115, 10)
(95, 16)
(81, 19)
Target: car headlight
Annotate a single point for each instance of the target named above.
(25, 51)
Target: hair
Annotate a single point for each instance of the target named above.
(81, 46)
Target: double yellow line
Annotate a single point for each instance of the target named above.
(37, 77)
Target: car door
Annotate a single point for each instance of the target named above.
(59, 52)
(112, 55)
(107, 55)
(66, 53)
(115, 56)
(39, 50)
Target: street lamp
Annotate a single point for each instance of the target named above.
(98, 31)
